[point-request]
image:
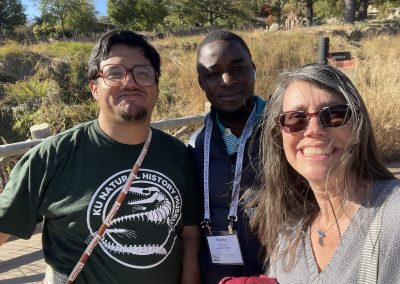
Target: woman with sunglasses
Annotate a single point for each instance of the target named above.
(324, 185)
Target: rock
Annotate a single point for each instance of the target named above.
(274, 27)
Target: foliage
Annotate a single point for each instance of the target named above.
(328, 8)
(22, 34)
(277, 8)
(215, 12)
(385, 6)
(77, 16)
(137, 14)
(82, 19)
(208, 11)
(195, 13)
(26, 97)
(43, 30)
(57, 8)
(28, 91)
(58, 115)
(41, 82)
(11, 14)
(67, 68)
(52, 85)
(150, 14)
(16, 62)
(121, 13)
(62, 49)
(378, 80)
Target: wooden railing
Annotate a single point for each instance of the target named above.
(9, 153)
(182, 124)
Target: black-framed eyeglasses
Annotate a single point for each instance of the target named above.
(115, 75)
(297, 121)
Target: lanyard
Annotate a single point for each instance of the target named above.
(248, 129)
(120, 199)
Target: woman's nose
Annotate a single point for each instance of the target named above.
(314, 127)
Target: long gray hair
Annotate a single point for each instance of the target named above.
(285, 205)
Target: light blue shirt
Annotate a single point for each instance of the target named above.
(231, 141)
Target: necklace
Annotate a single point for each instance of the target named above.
(322, 233)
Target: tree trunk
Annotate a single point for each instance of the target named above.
(310, 13)
(362, 12)
(350, 11)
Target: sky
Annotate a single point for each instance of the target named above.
(32, 11)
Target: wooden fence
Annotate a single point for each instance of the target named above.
(10, 153)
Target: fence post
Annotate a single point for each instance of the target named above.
(323, 50)
(40, 131)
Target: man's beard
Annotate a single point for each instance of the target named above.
(139, 115)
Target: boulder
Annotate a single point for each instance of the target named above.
(274, 27)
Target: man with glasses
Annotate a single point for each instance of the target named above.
(224, 161)
(118, 198)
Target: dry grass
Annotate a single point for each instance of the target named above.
(376, 74)
(377, 77)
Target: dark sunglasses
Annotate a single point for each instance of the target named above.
(296, 121)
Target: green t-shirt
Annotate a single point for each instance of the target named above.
(72, 180)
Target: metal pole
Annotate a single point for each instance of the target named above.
(323, 50)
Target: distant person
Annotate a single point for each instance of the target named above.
(72, 180)
(224, 162)
(327, 209)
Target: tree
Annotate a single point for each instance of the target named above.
(75, 15)
(58, 9)
(350, 11)
(121, 12)
(137, 14)
(150, 14)
(328, 8)
(362, 11)
(309, 12)
(216, 12)
(177, 14)
(277, 6)
(11, 14)
(82, 18)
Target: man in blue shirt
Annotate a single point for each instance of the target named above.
(224, 161)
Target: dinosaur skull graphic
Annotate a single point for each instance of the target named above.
(143, 230)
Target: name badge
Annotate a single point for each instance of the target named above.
(224, 248)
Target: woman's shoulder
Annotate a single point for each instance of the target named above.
(390, 200)
(386, 190)
(392, 192)
(391, 187)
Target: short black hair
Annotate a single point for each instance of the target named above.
(103, 47)
(222, 35)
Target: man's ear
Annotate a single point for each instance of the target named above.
(254, 71)
(94, 89)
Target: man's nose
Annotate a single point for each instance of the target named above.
(130, 80)
(227, 79)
